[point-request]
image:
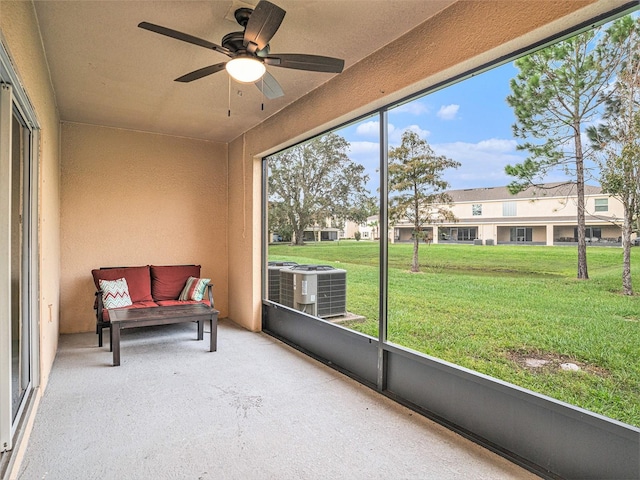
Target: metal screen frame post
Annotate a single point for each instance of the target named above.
(264, 245)
(383, 226)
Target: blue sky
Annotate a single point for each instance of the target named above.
(469, 122)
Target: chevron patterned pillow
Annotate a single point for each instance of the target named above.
(115, 293)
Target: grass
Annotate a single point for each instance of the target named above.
(491, 308)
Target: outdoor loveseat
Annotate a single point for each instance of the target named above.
(148, 286)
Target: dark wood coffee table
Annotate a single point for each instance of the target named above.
(145, 317)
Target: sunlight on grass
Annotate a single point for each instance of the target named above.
(485, 308)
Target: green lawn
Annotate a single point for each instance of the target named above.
(492, 308)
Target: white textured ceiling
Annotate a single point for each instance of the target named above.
(107, 71)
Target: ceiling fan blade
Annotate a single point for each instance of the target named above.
(262, 25)
(269, 86)
(185, 37)
(201, 72)
(314, 63)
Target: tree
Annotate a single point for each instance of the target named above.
(556, 91)
(278, 221)
(415, 172)
(374, 229)
(617, 137)
(315, 181)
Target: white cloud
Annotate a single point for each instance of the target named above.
(372, 129)
(448, 112)
(416, 128)
(482, 162)
(368, 129)
(496, 145)
(358, 149)
(395, 134)
(485, 151)
(412, 108)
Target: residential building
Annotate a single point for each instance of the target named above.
(328, 232)
(370, 229)
(544, 215)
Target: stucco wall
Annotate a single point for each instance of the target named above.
(467, 35)
(540, 207)
(133, 198)
(245, 223)
(21, 35)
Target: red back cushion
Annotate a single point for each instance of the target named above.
(168, 281)
(138, 280)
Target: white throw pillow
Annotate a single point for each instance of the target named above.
(115, 293)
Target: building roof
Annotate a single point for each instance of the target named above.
(557, 189)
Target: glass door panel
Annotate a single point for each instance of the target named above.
(20, 335)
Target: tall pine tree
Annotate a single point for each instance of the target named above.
(617, 136)
(557, 90)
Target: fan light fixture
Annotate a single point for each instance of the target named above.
(245, 69)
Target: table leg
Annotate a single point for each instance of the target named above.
(115, 342)
(200, 329)
(214, 333)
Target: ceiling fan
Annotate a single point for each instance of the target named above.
(249, 50)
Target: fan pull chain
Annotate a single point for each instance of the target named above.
(229, 111)
(262, 91)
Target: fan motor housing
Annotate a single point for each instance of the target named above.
(233, 41)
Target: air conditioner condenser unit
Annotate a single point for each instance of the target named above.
(319, 290)
(273, 279)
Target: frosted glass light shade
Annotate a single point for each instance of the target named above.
(245, 69)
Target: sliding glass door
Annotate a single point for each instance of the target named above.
(20, 331)
(18, 264)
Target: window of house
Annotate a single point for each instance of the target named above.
(461, 234)
(509, 209)
(521, 234)
(476, 209)
(602, 204)
(467, 233)
(589, 232)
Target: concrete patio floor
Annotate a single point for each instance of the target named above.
(255, 409)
